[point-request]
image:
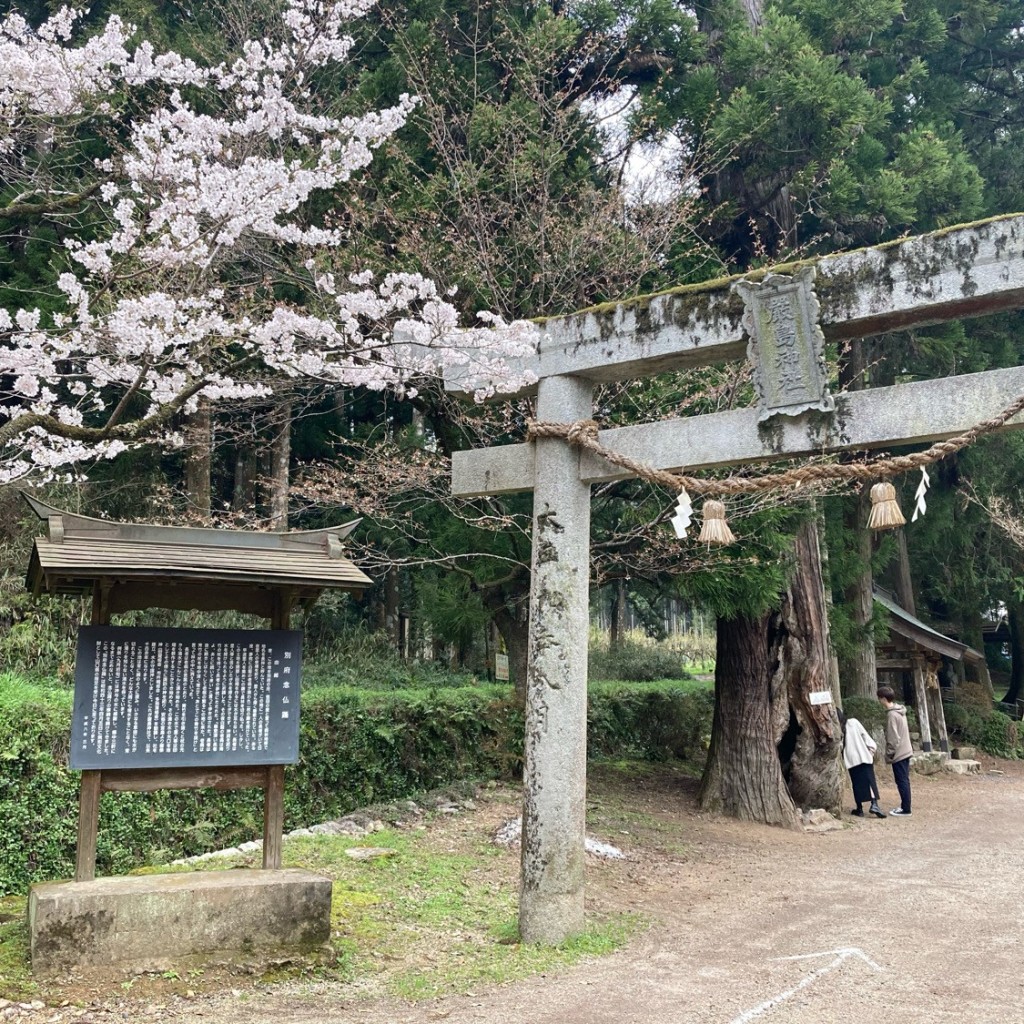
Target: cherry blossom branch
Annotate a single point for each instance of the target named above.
(204, 193)
(22, 211)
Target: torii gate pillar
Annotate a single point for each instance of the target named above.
(555, 756)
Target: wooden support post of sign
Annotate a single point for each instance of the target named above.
(90, 787)
(273, 817)
(88, 826)
(921, 694)
(273, 790)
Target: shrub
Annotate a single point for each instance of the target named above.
(357, 747)
(635, 662)
(652, 723)
(974, 696)
(361, 658)
(999, 735)
(993, 732)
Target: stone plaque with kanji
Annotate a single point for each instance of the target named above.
(787, 347)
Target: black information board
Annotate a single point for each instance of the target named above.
(174, 698)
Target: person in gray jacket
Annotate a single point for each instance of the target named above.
(897, 746)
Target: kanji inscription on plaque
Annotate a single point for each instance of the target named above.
(787, 347)
(163, 698)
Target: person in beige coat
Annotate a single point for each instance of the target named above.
(897, 746)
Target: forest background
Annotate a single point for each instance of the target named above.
(768, 132)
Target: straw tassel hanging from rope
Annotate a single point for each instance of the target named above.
(715, 530)
(885, 510)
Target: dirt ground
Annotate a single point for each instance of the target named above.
(889, 922)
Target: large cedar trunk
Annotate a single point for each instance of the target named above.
(901, 571)
(280, 459)
(802, 659)
(772, 750)
(199, 459)
(516, 635)
(743, 777)
(618, 620)
(243, 495)
(514, 625)
(390, 607)
(974, 637)
(1016, 691)
(858, 671)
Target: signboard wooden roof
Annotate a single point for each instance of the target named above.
(145, 566)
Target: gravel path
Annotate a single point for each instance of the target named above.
(747, 922)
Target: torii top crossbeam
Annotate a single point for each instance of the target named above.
(964, 271)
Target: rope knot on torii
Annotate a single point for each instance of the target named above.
(885, 513)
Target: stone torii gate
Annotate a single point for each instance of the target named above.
(786, 314)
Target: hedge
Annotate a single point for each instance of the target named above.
(358, 747)
(991, 731)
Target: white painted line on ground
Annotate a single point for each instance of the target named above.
(841, 955)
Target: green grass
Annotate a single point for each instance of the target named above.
(15, 975)
(16, 690)
(434, 918)
(437, 918)
(628, 798)
(687, 685)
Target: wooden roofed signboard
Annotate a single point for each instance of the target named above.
(159, 708)
(778, 317)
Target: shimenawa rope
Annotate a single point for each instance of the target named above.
(584, 434)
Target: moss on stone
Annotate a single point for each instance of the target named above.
(834, 286)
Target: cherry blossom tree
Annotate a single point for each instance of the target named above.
(182, 239)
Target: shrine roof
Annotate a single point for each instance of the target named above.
(186, 567)
(919, 633)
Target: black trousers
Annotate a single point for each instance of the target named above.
(865, 788)
(901, 773)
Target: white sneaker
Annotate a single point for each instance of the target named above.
(898, 812)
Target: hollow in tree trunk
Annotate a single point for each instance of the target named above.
(810, 741)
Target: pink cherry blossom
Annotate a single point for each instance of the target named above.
(198, 204)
